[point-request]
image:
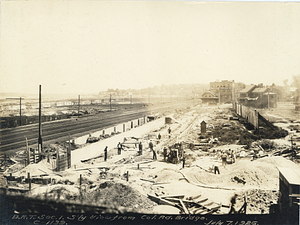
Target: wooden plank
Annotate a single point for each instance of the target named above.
(184, 207)
(194, 197)
(295, 195)
(208, 204)
(160, 200)
(216, 206)
(173, 196)
(152, 181)
(202, 200)
(200, 211)
(160, 183)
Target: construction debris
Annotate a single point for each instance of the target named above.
(183, 179)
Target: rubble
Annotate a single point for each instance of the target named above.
(183, 181)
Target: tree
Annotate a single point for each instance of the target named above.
(296, 81)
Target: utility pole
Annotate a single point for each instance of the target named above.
(20, 108)
(219, 95)
(40, 141)
(268, 99)
(110, 102)
(78, 104)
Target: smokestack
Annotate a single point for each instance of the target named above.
(40, 142)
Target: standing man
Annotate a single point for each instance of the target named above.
(140, 148)
(105, 154)
(165, 153)
(154, 154)
(224, 158)
(151, 146)
(169, 131)
(183, 159)
(119, 146)
(159, 136)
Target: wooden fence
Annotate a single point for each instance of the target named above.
(251, 115)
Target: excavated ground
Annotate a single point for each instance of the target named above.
(105, 183)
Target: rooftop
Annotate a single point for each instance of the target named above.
(260, 90)
(247, 88)
(292, 175)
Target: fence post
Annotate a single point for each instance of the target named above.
(57, 160)
(124, 127)
(80, 188)
(29, 182)
(69, 153)
(34, 160)
(28, 151)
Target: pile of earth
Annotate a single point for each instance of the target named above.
(167, 175)
(107, 194)
(258, 201)
(114, 195)
(261, 173)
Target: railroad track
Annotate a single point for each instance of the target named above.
(60, 131)
(13, 139)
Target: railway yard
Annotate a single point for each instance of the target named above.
(188, 176)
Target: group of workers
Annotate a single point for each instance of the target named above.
(226, 155)
(140, 146)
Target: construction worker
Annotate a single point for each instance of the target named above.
(233, 156)
(183, 159)
(105, 154)
(165, 153)
(224, 158)
(216, 169)
(159, 136)
(119, 146)
(232, 203)
(154, 154)
(151, 146)
(140, 148)
(169, 131)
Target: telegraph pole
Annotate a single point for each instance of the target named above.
(78, 104)
(268, 99)
(110, 102)
(40, 141)
(20, 108)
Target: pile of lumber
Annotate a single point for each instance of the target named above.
(190, 205)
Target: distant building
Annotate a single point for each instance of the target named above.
(245, 94)
(209, 97)
(224, 90)
(258, 96)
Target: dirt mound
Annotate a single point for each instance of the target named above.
(200, 176)
(167, 175)
(113, 194)
(258, 173)
(259, 201)
(56, 192)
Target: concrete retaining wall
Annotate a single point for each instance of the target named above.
(96, 149)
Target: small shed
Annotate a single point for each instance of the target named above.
(289, 187)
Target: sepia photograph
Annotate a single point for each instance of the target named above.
(149, 112)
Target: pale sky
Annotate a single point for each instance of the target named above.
(88, 46)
